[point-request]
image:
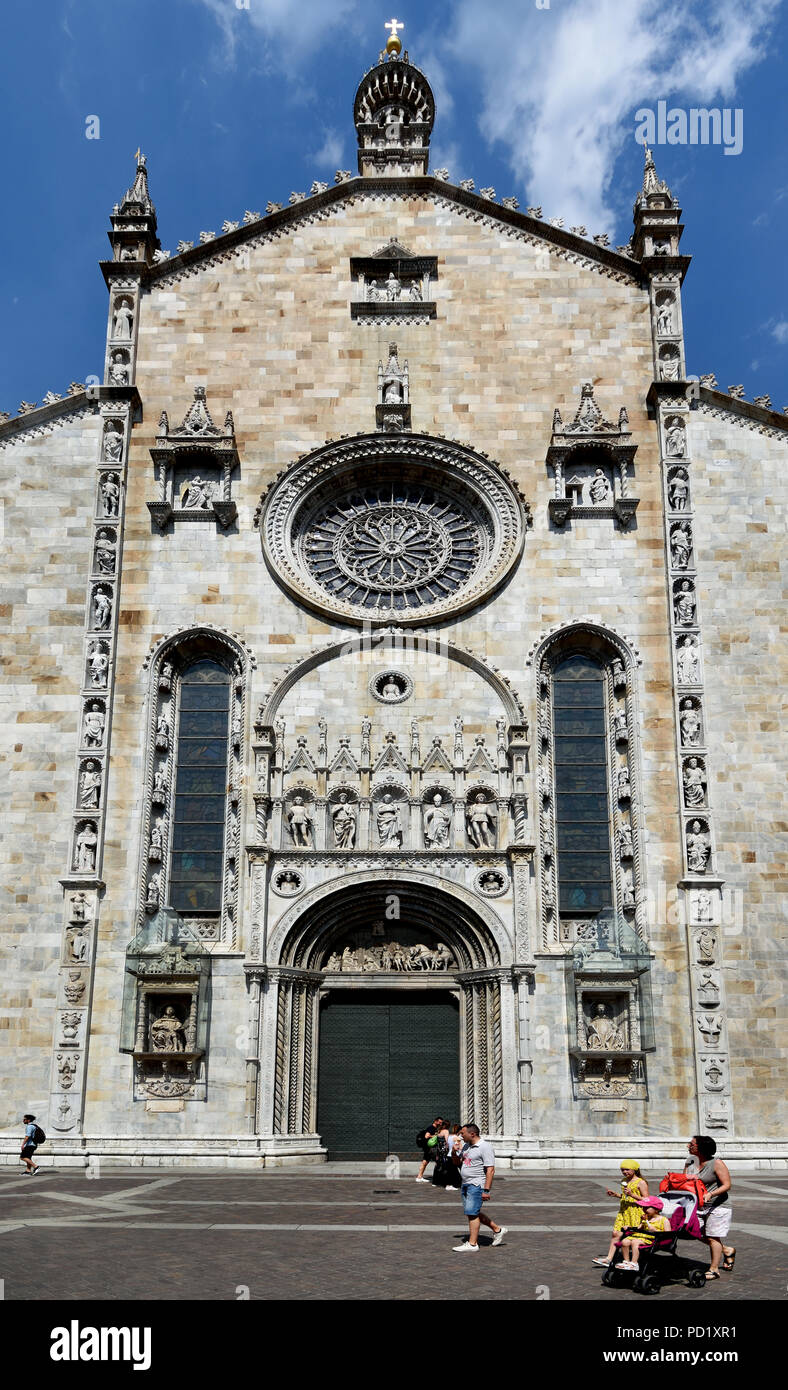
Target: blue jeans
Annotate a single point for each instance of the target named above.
(472, 1198)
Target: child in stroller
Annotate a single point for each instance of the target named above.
(677, 1216)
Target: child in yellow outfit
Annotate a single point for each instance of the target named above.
(630, 1214)
(652, 1226)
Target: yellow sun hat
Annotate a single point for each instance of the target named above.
(630, 1163)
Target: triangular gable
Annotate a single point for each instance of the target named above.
(391, 251)
(388, 759)
(343, 761)
(480, 760)
(301, 761)
(436, 760)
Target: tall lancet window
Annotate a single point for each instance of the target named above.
(202, 746)
(582, 808)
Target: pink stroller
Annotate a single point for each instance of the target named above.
(658, 1262)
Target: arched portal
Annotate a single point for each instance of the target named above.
(403, 979)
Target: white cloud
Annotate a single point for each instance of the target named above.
(289, 32)
(780, 331)
(331, 150)
(561, 84)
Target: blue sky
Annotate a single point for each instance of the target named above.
(239, 101)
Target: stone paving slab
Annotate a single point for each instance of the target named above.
(138, 1236)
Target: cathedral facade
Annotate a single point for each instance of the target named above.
(392, 717)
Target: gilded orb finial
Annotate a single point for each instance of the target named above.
(393, 42)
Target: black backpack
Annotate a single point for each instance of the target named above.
(39, 1137)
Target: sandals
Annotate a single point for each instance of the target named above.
(600, 1261)
(712, 1274)
(728, 1261)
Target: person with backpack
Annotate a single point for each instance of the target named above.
(717, 1210)
(427, 1141)
(34, 1137)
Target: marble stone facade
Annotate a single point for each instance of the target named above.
(261, 319)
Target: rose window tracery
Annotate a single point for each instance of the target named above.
(392, 526)
(393, 547)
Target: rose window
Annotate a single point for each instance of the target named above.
(393, 547)
(388, 526)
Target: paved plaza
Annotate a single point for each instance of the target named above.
(341, 1234)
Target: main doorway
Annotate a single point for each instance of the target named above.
(388, 1063)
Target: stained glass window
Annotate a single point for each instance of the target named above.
(581, 786)
(196, 867)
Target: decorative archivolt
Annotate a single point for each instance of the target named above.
(394, 640)
(303, 936)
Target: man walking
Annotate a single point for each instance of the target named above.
(476, 1161)
(29, 1144)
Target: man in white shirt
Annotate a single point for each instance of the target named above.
(476, 1160)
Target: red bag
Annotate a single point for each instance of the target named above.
(685, 1182)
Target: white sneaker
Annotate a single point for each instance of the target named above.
(499, 1235)
(422, 1180)
(466, 1245)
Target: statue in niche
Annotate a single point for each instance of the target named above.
(698, 847)
(113, 442)
(665, 316)
(79, 908)
(163, 732)
(156, 841)
(625, 842)
(415, 290)
(602, 1032)
(373, 292)
(388, 821)
(119, 370)
(106, 545)
(620, 725)
(627, 888)
(93, 727)
(680, 546)
(159, 794)
(393, 380)
(90, 785)
(197, 493)
(110, 494)
(85, 849)
(623, 787)
(685, 604)
(102, 609)
(393, 287)
(343, 820)
(393, 689)
(480, 822)
(669, 367)
(165, 676)
(688, 663)
(675, 440)
(122, 321)
(678, 491)
(689, 722)
(79, 945)
(300, 823)
(706, 947)
(154, 893)
(600, 490)
(437, 823)
(167, 1033)
(703, 905)
(99, 664)
(694, 783)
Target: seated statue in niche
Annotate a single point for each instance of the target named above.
(685, 604)
(167, 1033)
(437, 823)
(389, 822)
(480, 821)
(602, 1033)
(300, 823)
(119, 371)
(197, 493)
(698, 847)
(600, 490)
(343, 820)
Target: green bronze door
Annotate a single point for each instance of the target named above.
(389, 1062)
